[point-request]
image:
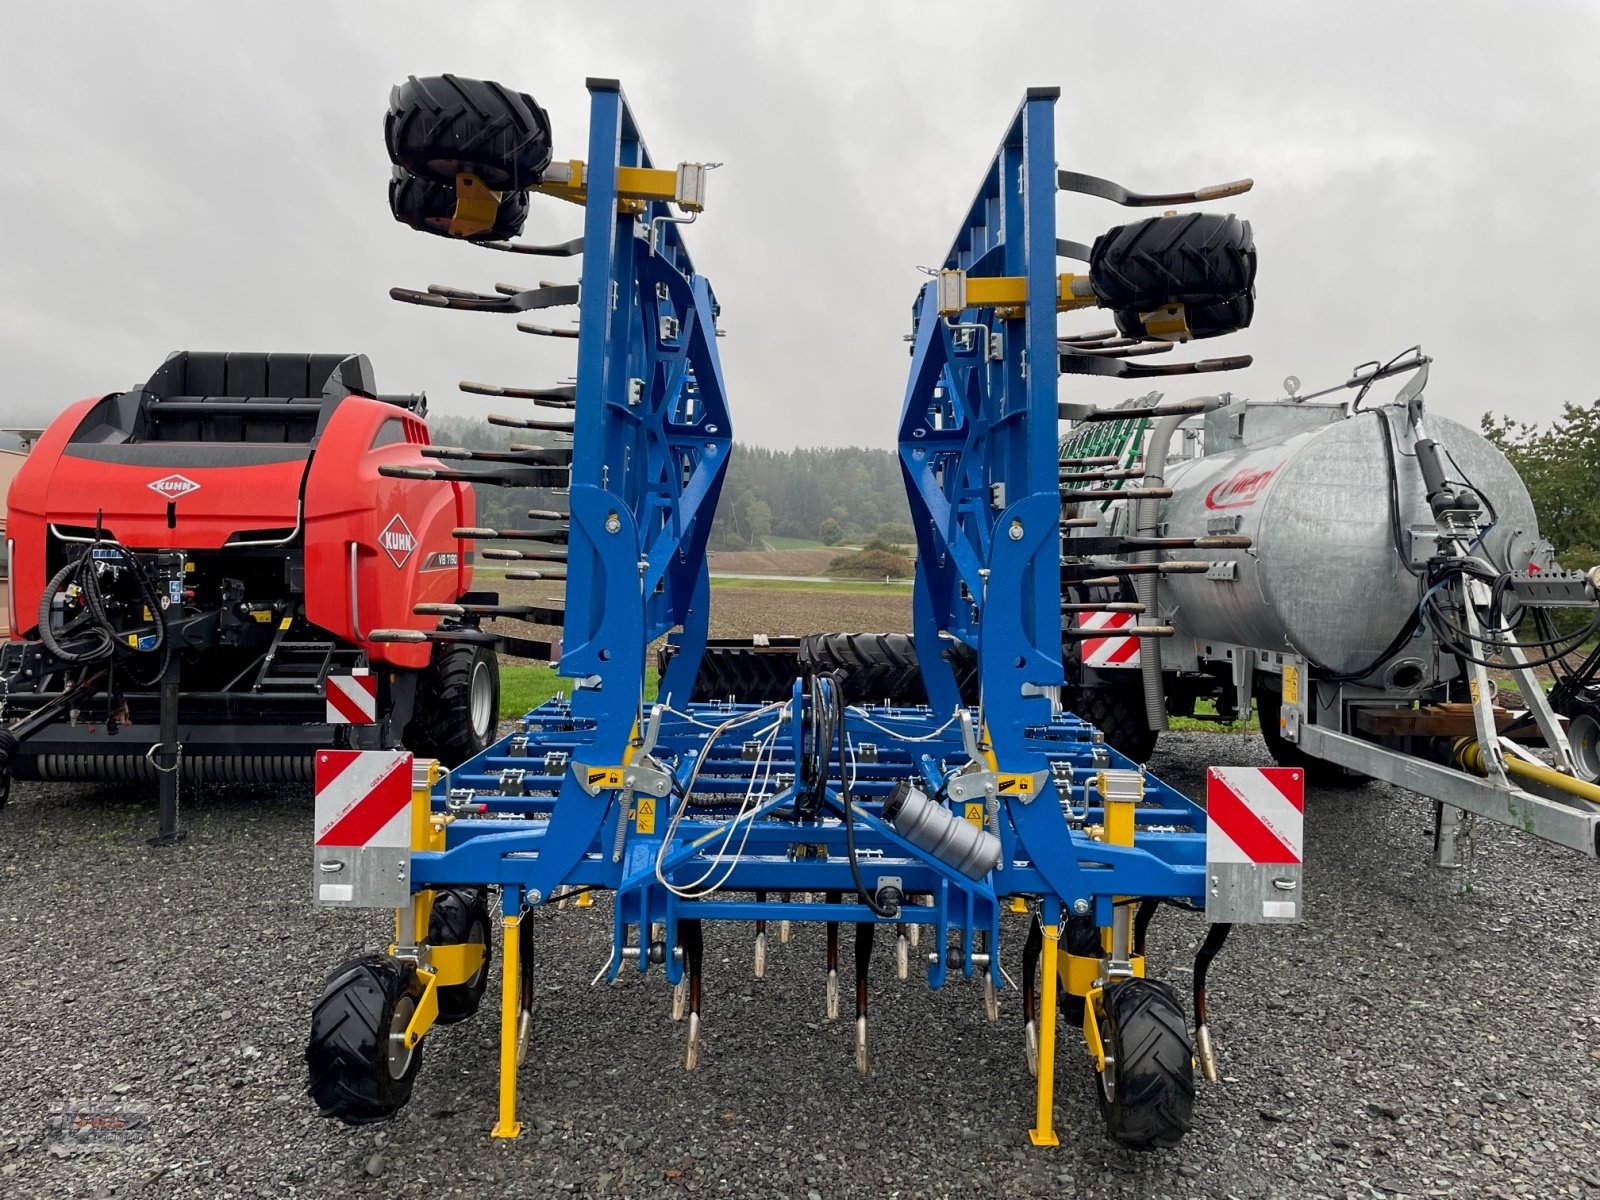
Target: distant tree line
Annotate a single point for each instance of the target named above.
(837, 495)
(840, 496)
(1560, 463)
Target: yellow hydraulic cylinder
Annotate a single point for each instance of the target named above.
(1470, 755)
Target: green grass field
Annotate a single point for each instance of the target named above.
(525, 687)
(794, 543)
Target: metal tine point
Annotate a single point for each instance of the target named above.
(509, 422)
(1074, 363)
(1078, 411)
(516, 289)
(558, 394)
(1130, 349)
(545, 330)
(535, 575)
(439, 289)
(1070, 249)
(552, 250)
(501, 555)
(1093, 185)
(1096, 335)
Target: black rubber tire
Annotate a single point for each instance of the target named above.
(1117, 712)
(352, 1075)
(1196, 259)
(443, 724)
(963, 660)
(1204, 320)
(440, 125)
(1286, 754)
(746, 673)
(428, 207)
(462, 915)
(1150, 1105)
(876, 667)
(1082, 937)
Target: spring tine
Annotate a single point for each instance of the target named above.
(557, 534)
(1090, 495)
(552, 250)
(1031, 950)
(543, 297)
(694, 957)
(545, 330)
(1094, 460)
(1123, 606)
(865, 931)
(1097, 335)
(1070, 249)
(502, 555)
(833, 961)
(508, 422)
(1106, 189)
(1074, 363)
(761, 941)
(535, 575)
(439, 289)
(567, 391)
(1131, 349)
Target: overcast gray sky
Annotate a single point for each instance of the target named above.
(212, 176)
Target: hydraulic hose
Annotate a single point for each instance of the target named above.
(1469, 754)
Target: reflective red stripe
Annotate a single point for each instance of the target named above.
(390, 793)
(1247, 831)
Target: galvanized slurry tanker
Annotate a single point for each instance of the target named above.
(1006, 817)
(1394, 560)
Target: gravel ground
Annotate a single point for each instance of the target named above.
(1423, 1033)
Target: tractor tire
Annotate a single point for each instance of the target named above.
(1147, 1089)
(1117, 712)
(461, 915)
(441, 125)
(1204, 320)
(1286, 754)
(963, 660)
(457, 705)
(1198, 260)
(429, 207)
(357, 1072)
(876, 667)
(747, 673)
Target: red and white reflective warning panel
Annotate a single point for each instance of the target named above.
(1109, 651)
(363, 798)
(1255, 815)
(352, 699)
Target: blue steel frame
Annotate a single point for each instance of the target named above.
(988, 574)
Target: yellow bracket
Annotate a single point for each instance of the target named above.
(1091, 1029)
(456, 964)
(427, 1011)
(476, 207)
(510, 1010)
(1043, 1132)
(1007, 294)
(684, 186)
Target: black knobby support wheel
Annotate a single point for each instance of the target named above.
(1119, 713)
(876, 667)
(1286, 754)
(457, 705)
(359, 1071)
(442, 125)
(1204, 261)
(460, 916)
(429, 206)
(1147, 1087)
(1204, 320)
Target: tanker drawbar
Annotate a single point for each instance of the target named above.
(198, 566)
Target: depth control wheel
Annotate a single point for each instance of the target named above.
(1197, 260)
(429, 207)
(461, 917)
(1147, 1088)
(441, 125)
(359, 1066)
